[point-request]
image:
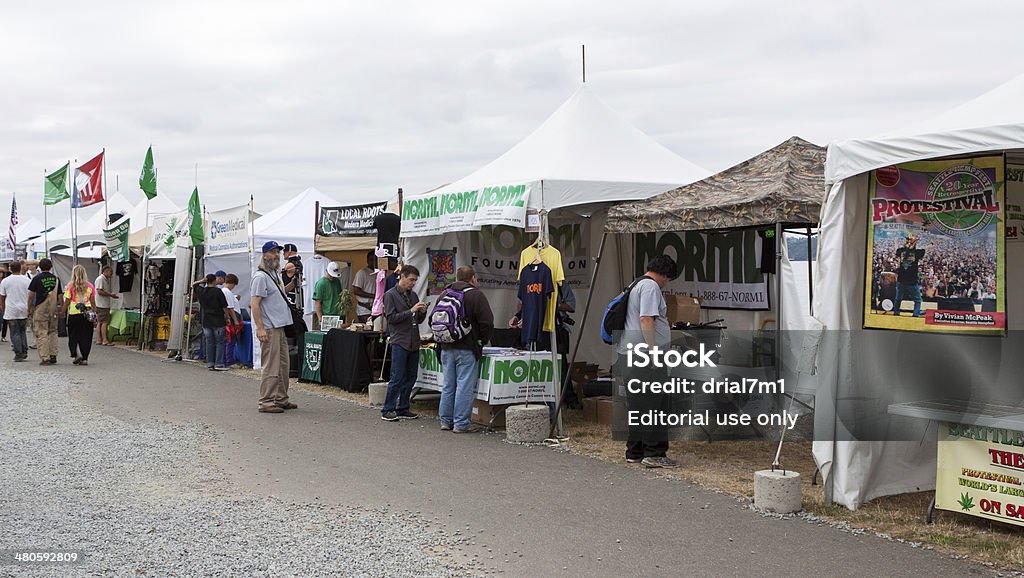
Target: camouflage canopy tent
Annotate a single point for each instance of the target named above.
(783, 185)
(782, 188)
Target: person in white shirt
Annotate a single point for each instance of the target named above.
(14, 302)
(364, 287)
(104, 293)
(230, 282)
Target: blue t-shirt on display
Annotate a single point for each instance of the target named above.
(535, 287)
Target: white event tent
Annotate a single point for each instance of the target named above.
(579, 161)
(858, 471)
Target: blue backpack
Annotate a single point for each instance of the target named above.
(614, 319)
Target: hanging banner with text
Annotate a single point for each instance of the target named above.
(227, 231)
(494, 253)
(434, 214)
(502, 379)
(353, 221)
(169, 231)
(979, 471)
(935, 255)
(116, 238)
(723, 269)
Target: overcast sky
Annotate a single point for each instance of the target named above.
(359, 98)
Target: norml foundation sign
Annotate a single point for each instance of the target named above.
(445, 212)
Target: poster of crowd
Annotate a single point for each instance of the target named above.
(935, 254)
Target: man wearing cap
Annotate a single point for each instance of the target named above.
(270, 315)
(327, 294)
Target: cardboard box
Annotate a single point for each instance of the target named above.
(605, 406)
(598, 409)
(682, 308)
(482, 412)
(590, 408)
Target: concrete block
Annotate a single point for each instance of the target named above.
(777, 491)
(378, 393)
(527, 423)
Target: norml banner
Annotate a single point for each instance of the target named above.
(494, 253)
(227, 231)
(352, 221)
(116, 238)
(721, 268)
(434, 214)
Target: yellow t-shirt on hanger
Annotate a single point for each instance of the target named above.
(551, 257)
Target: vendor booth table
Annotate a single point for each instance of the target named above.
(341, 358)
(124, 324)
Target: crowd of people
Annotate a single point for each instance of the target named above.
(38, 299)
(939, 268)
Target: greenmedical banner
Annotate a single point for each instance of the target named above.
(435, 214)
(116, 238)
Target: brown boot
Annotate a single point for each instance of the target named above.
(287, 405)
(271, 409)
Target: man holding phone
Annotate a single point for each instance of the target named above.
(404, 312)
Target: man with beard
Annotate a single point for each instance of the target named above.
(270, 316)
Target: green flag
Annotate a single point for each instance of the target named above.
(55, 186)
(147, 180)
(195, 218)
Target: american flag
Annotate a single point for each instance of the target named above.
(11, 238)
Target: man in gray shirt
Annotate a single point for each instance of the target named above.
(270, 316)
(647, 322)
(404, 312)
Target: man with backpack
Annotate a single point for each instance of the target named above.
(646, 321)
(461, 322)
(404, 312)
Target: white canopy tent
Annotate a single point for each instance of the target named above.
(858, 471)
(139, 234)
(584, 153)
(584, 157)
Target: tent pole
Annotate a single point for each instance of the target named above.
(566, 382)
(810, 275)
(142, 280)
(779, 229)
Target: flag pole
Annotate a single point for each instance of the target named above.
(74, 220)
(146, 238)
(105, 189)
(46, 249)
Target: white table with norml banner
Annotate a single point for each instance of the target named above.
(507, 376)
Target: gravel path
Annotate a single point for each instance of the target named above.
(143, 500)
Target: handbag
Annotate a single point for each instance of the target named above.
(297, 313)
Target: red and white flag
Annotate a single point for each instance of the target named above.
(88, 183)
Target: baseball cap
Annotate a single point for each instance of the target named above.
(270, 246)
(333, 270)
(220, 274)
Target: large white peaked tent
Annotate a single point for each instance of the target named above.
(858, 471)
(584, 153)
(292, 221)
(576, 164)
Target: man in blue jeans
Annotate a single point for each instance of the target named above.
(459, 360)
(214, 314)
(404, 312)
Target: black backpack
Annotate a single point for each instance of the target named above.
(615, 313)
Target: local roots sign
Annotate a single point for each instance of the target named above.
(227, 231)
(503, 379)
(353, 221)
(434, 214)
(935, 254)
(721, 268)
(980, 471)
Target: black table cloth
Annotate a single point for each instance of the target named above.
(346, 359)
